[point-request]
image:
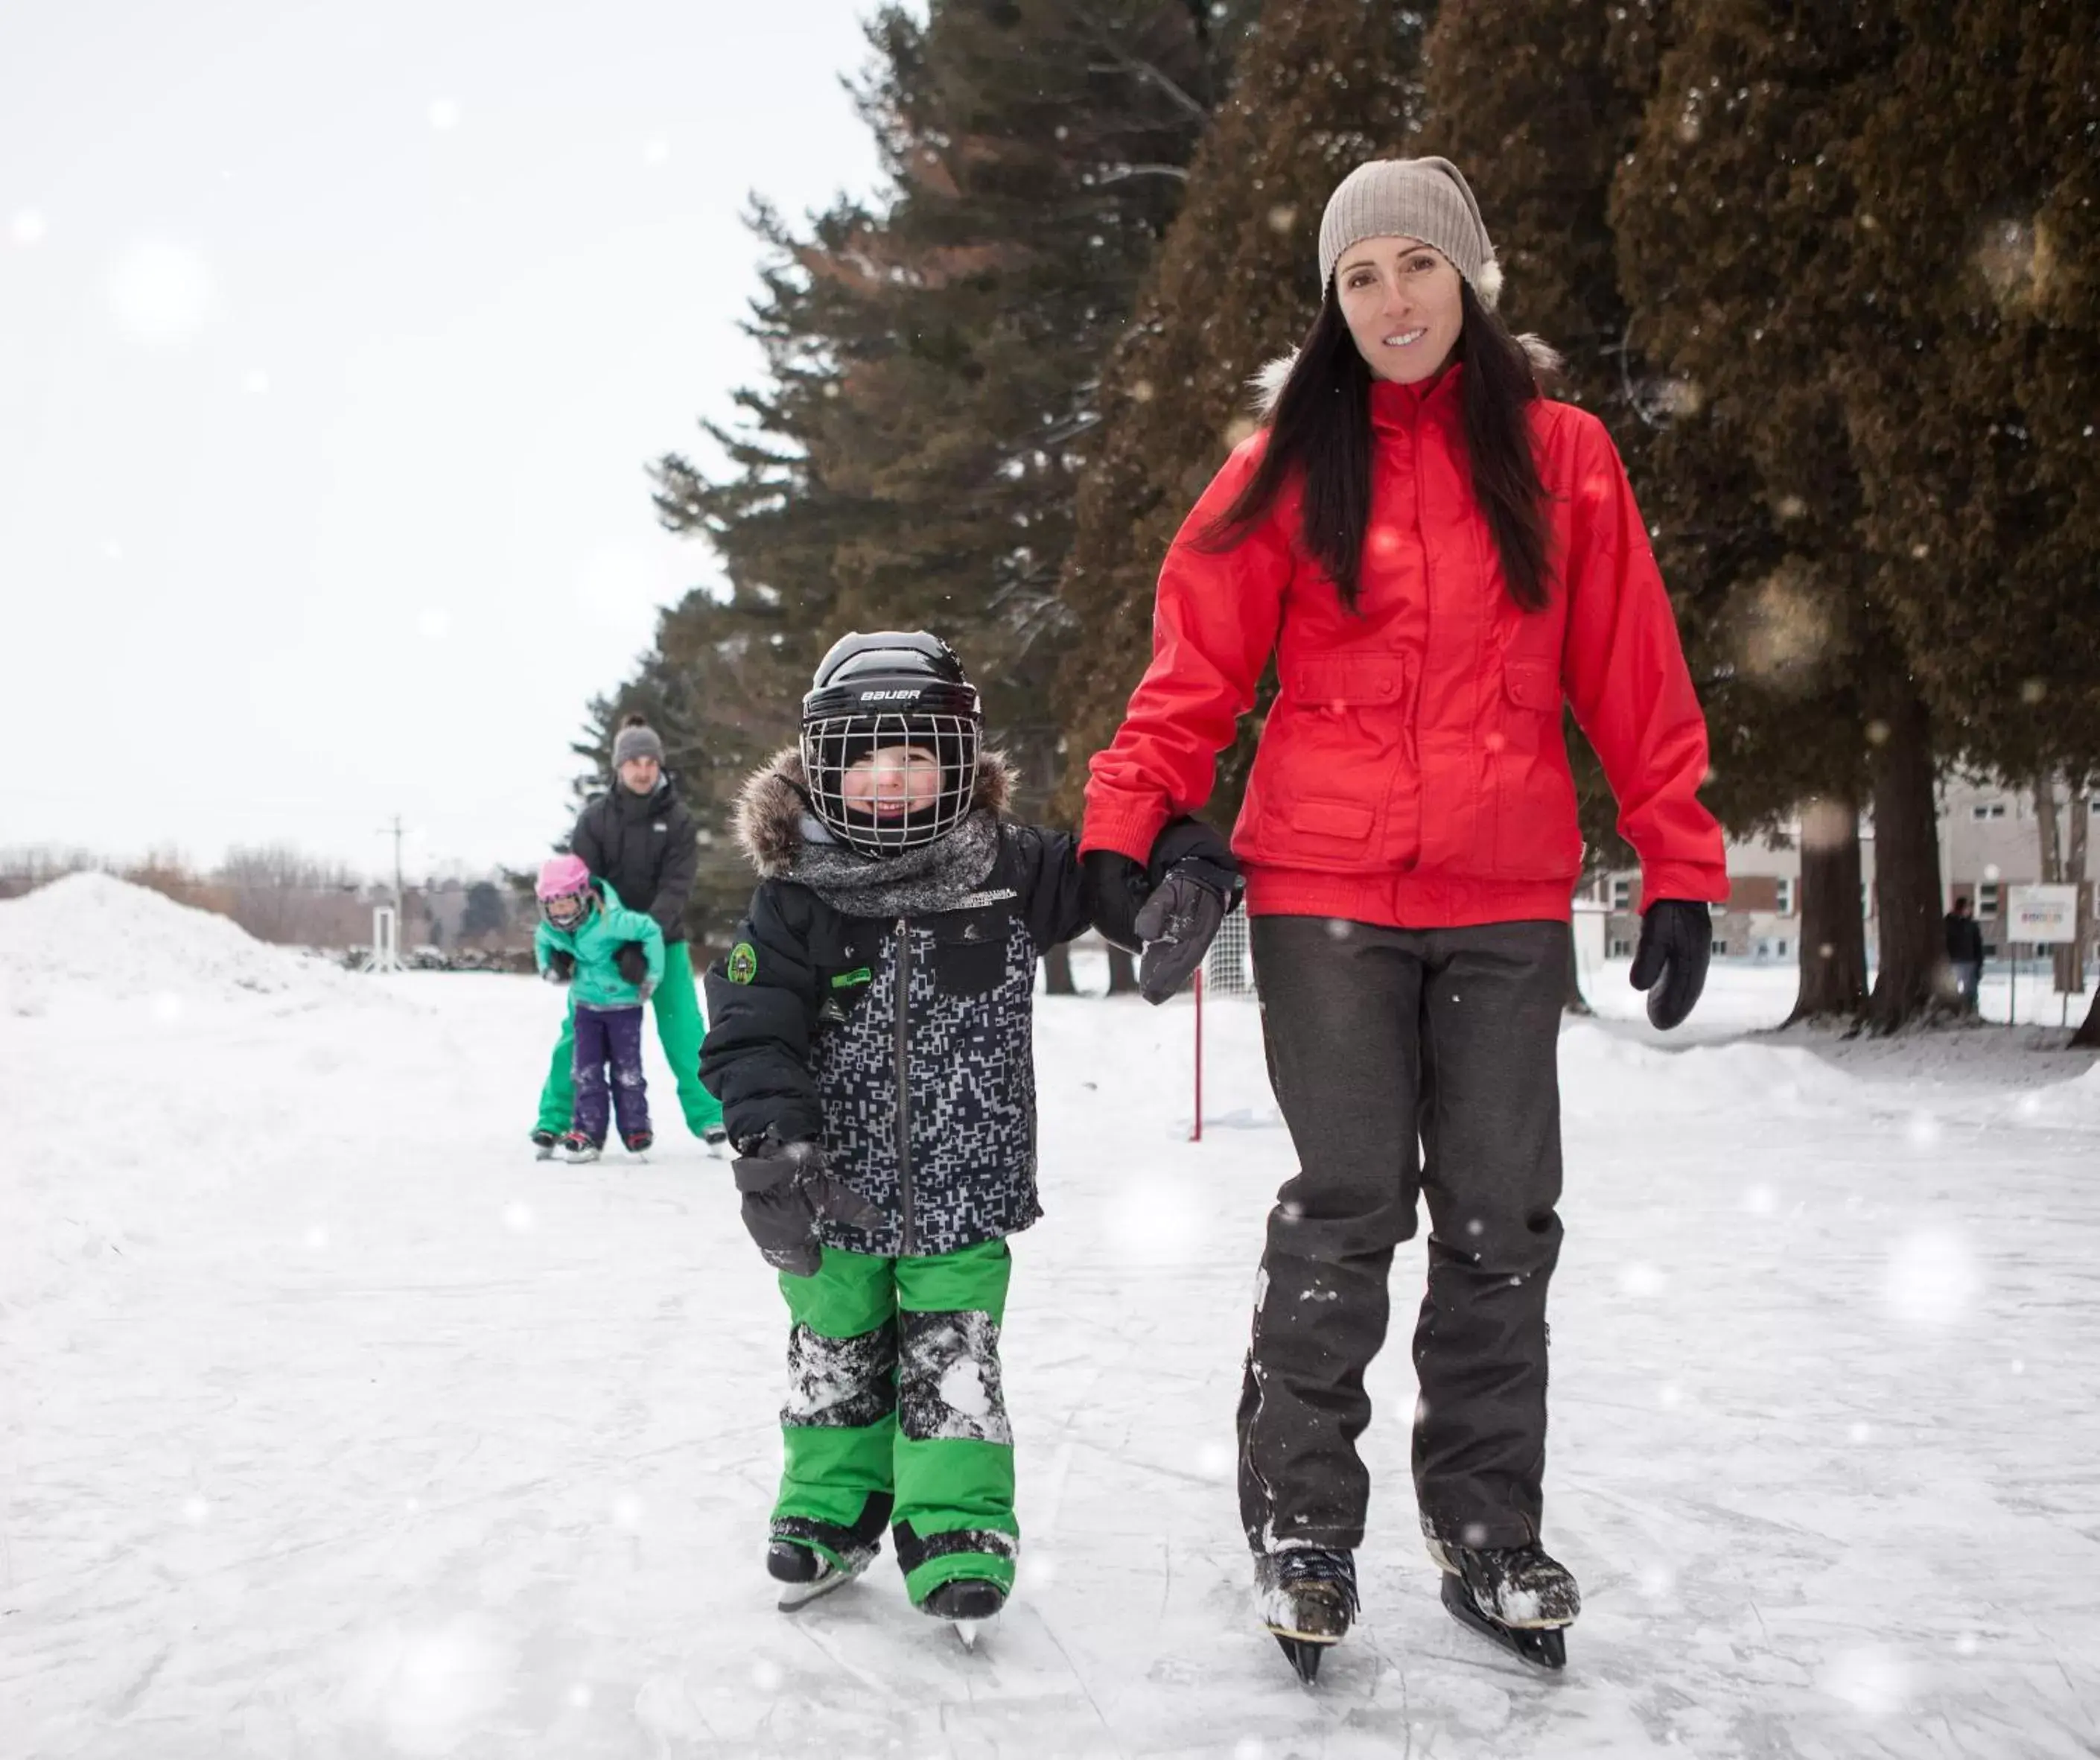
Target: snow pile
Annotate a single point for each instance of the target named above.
(1599, 1066)
(94, 938)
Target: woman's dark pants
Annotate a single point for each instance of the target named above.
(1406, 1062)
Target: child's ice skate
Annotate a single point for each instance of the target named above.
(577, 1149)
(965, 1603)
(543, 1144)
(638, 1142)
(805, 1574)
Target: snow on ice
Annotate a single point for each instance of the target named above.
(335, 1425)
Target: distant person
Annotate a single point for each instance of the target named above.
(1437, 560)
(872, 1041)
(584, 931)
(1964, 954)
(638, 836)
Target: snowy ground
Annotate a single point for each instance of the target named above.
(332, 1425)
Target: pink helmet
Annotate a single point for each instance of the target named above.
(564, 891)
(560, 875)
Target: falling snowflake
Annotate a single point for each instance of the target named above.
(159, 292)
(1874, 1679)
(1932, 1278)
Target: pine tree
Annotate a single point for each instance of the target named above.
(1971, 399)
(1322, 85)
(1733, 216)
(932, 358)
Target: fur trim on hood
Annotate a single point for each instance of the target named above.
(1267, 384)
(774, 801)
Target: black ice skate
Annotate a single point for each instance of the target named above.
(638, 1142)
(544, 1142)
(966, 1602)
(1519, 1596)
(577, 1149)
(1308, 1597)
(805, 1574)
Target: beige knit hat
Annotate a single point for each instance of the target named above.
(1411, 198)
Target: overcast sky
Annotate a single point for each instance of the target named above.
(334, 339)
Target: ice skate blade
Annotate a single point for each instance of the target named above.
(967, 1630)
(1303, 1654)
(795, 1596)
(1543, 1647)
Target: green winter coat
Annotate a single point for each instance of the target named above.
(598, 983)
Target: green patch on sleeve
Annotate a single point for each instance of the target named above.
(741, 965)
(853, 979)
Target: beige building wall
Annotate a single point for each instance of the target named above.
(1989, 840)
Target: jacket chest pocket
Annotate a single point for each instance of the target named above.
(969, 951)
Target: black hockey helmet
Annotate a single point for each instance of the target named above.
(896, 691)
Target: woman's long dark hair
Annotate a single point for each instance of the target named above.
(1320, 432)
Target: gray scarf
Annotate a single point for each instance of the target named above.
(934, 877)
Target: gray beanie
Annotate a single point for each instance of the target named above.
(1411, 198)
(636, 739)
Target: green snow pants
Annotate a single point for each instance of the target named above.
(680, 1025)
(894, 1415)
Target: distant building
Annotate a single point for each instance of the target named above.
(1989, 840)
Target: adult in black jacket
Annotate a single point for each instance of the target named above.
(1965, 952)
(639, 837)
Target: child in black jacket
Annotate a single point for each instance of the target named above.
(871, 1045)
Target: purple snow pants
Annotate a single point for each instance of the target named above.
(609, 1036)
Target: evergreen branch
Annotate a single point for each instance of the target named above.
(1131, 64)
(1124, 174)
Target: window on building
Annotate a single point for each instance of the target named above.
(1986, 899)
(1622, 949)
(1784, 949)
(1987, 809)
(1622, 894)
(1784, 904)
(1720, 947)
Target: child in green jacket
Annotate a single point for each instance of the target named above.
(583, 926)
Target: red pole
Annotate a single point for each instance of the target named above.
(1196, 1136)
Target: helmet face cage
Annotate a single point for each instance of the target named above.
(833, 743)
(566, 910)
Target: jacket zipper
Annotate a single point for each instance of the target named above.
(904, 1077)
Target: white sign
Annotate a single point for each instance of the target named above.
(2045, 914)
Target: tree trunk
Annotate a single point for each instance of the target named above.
(1572, 999)
(1833, 924)
(1911, 981)
(1123, 973)
(2048, 837)
(1057, 971)
(2087, 1037)
(2070, 957)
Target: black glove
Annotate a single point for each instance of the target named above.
(1180, 921)
(560, 967)
(1116, 889)
(633, 963)
(1676, 945)
(787, 1188)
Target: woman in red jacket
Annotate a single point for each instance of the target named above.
(1436, 557)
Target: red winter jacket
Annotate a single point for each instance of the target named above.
(1413, 771)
